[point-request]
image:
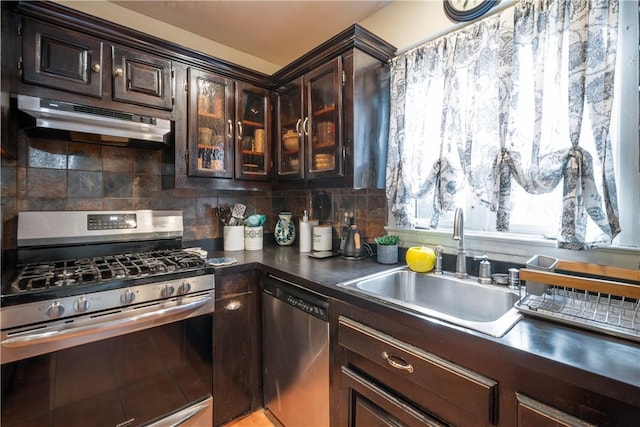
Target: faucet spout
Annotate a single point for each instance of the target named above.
(458, 234)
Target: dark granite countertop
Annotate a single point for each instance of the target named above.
(578, 356)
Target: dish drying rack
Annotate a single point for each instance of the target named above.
(598, 297)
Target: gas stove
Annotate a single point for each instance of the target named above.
(114, 298)
(85, 262)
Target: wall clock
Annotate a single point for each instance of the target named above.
(467, 10)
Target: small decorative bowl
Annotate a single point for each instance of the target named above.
(290, 141)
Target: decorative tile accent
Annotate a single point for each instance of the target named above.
(116, 185)
(46, 183)
(47, 154)
(118, 160)
(86, 157)
(85, 184)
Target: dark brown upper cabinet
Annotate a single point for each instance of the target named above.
(210, 139)
(61, 59)
(332, 114)
(253, 132)
(71, 61)
(228, 131)
(140, 78)
(310, 123)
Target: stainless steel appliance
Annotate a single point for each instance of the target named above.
(110, 127)
(107, 321)
(295, 354)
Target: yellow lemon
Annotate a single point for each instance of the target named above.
(421, 259)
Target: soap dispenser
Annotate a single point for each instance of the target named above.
(305, 233)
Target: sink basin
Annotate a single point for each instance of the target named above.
(465, 302)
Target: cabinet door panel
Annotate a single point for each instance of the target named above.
(323, 123)
(236, 365)
(211, 127)
(366, 405)
(253, 136)
(142, 79)
(61, 59)
(289, 146)
(532, 413)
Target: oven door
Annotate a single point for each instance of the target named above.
(157, 376)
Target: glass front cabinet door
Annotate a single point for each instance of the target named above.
(290, 148)
(309, 125)
(323, 123)
(211, 127)
(253, 139)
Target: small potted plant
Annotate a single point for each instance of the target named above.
(387, 249)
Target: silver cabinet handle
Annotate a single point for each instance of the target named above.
(96, 68)
(304, 126)
(118, 72)
(230, 128)
(239, 130)
(298, 126)
(392, 360)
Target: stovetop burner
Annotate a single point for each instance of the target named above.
(59, 274)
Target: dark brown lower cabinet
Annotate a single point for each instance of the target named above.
(400, 384)
(365, 404)
(237, 359)
(532, 413)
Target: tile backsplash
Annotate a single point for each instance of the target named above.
(60, 175)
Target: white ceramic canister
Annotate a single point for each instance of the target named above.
(233, 237)
(322, 236)
(253, 238)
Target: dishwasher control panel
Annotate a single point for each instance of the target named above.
(298, 297)
(306, 306)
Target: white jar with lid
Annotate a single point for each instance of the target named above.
(322, 237)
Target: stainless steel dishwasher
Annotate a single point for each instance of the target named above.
(295, 353)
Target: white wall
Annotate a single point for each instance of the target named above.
(401, 23)
(130, 19)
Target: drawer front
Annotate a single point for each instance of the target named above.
(368, 405)
(460, 386)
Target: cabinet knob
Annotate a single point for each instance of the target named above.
(118, 72)
(96, 68)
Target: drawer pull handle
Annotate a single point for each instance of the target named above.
(397, 362)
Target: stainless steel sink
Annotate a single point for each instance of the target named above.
(465, 302)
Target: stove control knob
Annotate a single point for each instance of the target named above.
(55, 310)
(167, 291)
(127, 296)
(184, 288)
(81, 305)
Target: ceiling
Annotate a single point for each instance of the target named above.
(275, 31)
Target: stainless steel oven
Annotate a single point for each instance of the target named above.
(107, 321)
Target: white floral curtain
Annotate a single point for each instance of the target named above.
(524, 96)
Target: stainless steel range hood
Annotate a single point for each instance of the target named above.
(92, 124)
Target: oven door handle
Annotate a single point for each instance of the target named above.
(128, 324)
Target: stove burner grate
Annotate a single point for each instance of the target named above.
(86, 271)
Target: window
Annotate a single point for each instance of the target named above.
(538, 216)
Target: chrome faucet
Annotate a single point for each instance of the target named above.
(458, 234)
